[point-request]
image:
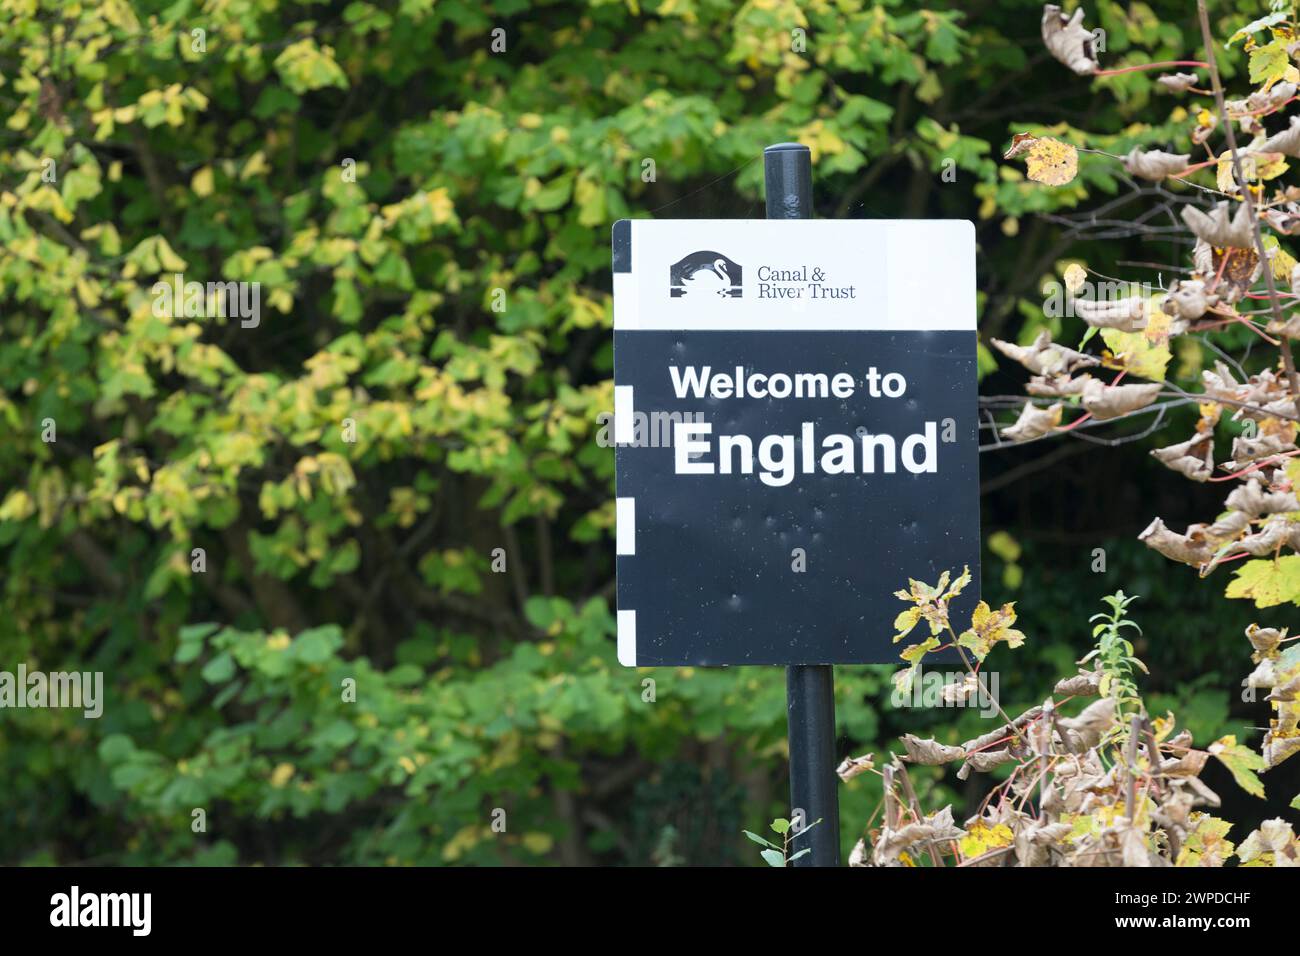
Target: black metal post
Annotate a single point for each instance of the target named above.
(809, 690)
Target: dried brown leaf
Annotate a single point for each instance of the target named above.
(1177, 82)
(852, 766)
(1112, 401)
(1264, 445)
(1251, 499)
(1127, 315)
(1068, 40)
(1034, 422)
(1155, 164)
(1286, 142)
(985, 760)
(1265, 641)
(1057, 386)
(1188, 299)
(1220, 227)
(1044, 357)
(1081, 685)
(929, 753)
(1176, 547)
(1193, 458)
(1091, 725)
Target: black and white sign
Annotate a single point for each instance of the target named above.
(795, 419)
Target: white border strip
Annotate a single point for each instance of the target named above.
(627, 638)
(625, 525)
(626, 300)
(624, 427)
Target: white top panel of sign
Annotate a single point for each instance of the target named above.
(802, 274)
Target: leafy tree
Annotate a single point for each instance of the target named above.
(1111, 786)
(279, 531)
(1234, 265)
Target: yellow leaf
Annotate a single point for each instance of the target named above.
(465, 839)
(168, 260)
(255, 166)
(988, 627)
(958, 585)
(1205, 845)
(1075, 276)
(980, 838)
(1270, 168)
(202, 182)
(1004, 546)
(280, 776)
(1163, 726)
(538, 843)
(1282, 263)
(87, 293)
(1136, 352)
(442, 205)
(1052, 162)
(1267, 582)
(915, 652)
(17, 506)
(1254, 168)
(905, 622)
(1225, 177)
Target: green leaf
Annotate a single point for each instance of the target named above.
(1004, 546)
(773, 857)
(304, 66)
(115, 748)
(781, 826)
(220, 669)
(758, 839)
(1242, 761)
(188, 651)
(197, 632)
(1268, 63)
(317, 644)
(554, 194)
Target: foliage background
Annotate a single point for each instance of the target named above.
(477, 429)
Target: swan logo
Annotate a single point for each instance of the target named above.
(705, 273)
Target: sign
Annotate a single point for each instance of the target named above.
(796, 434)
